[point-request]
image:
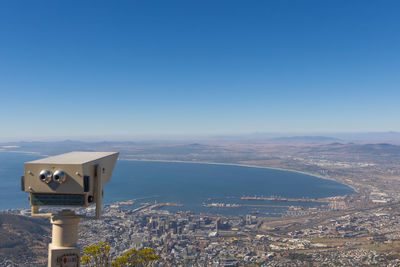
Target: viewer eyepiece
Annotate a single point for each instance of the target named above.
(59, 177)
(45, 176)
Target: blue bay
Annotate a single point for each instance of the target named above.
(190, 184)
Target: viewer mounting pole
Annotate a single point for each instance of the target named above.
(63, 250)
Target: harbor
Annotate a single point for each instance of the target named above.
(283, 199)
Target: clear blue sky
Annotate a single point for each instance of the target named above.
(129, 68)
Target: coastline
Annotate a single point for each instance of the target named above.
(244, 165)
(208, 163)
(22, 152)
(212, 163)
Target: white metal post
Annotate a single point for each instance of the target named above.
(63, 250)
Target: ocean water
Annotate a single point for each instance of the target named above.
(189, 184)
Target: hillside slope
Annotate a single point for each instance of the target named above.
(23, 239)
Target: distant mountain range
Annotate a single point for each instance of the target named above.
(212, 150)
(305, 139)
(366, 137)
(364, 148)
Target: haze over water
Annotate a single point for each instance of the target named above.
(189, 184)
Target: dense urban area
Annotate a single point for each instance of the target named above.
(362, 229)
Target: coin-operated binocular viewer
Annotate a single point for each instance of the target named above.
(73, 179)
